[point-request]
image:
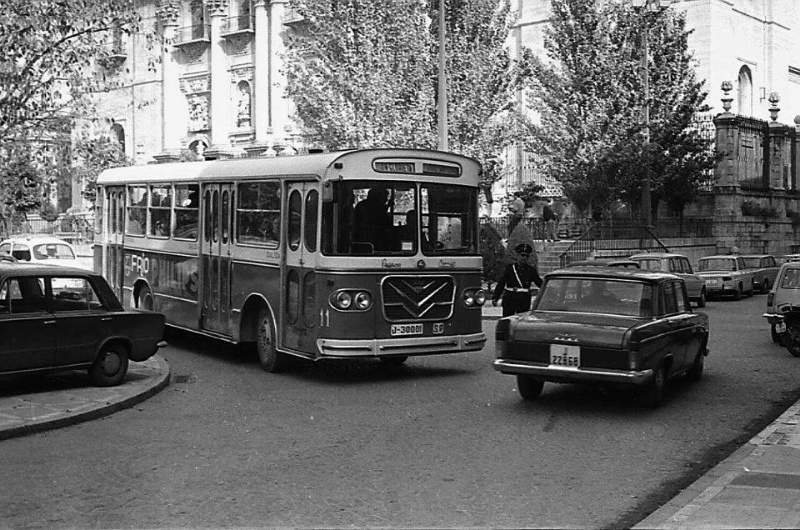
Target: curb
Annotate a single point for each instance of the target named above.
(161, 380)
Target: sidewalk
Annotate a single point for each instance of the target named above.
(30, 405)
(758, 486)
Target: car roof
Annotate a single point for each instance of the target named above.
(31, 268)
(717, 256)
(755, 255)
(602, 263)
(656, 255)
(35, 238)
(619, 273)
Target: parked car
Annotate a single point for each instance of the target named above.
(785, 293)
(725, 275)
(41, 249)
(625, 263)
(765, 269)
(66, 318)
(786, 258)
(606, 327)
(678, 265)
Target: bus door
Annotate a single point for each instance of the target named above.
(112, 258)
(215, 262)
(299, 313)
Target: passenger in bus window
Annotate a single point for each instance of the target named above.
(372, 219)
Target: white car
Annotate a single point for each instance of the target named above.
(726, 275)
(42, 249)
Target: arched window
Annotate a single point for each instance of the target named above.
(745, 96)
(118, 132)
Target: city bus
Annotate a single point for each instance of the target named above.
(360, 253)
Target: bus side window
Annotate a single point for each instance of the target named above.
(258, 214)
(186, 211)
(137, 211)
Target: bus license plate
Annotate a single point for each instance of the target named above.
(565, 356)
(406, 329)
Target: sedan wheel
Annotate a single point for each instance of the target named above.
(652, 394)
(110, 367)
(701, 302)
(529, 388)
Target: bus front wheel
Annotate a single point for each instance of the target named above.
(271, 359)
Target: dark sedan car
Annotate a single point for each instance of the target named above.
(607, 327)
(64, 318)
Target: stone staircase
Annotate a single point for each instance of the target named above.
(548, 253)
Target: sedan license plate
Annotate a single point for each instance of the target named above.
(713, 282)
(406, 329)
(565, 356)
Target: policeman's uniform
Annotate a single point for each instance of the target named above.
(515, 284)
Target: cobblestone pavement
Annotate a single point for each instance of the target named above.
(758, 486)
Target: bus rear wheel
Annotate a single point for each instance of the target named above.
(144, 300)
(270, 358)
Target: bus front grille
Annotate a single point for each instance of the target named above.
(417, 298)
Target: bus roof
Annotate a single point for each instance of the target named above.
(314, 164)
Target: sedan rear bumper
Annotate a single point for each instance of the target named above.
(558, 374)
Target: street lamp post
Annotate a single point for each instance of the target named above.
(651, 6)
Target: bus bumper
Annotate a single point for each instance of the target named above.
(339, 348)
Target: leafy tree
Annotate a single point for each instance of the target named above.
(91, 154)
(48, 48)
(20, 183)
(589, 97)
(363, 73)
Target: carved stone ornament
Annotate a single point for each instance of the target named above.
(196, 85)
(193, 51)
(198, 112)
(217, 7)
(238, 43)
(242, 74)
(168, 12)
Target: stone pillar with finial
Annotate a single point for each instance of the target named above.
(795, 176)
(778, 155)
(726, 123)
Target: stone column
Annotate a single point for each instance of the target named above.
(279, 108)
(796, 155)
(779, 148)
(173, 125)
(261, 89)
(221, 112)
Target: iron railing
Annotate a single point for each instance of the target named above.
(611, 240)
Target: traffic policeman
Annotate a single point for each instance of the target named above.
(515, 284)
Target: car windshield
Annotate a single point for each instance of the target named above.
(716, 264)
(752, 263)
(400, 218)
(652, 264)
(52, 251)
(596, 295)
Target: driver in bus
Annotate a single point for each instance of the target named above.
(372, 219)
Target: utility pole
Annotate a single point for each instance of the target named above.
(442, 98)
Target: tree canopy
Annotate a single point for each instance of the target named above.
(363, 73)
(589, 97)
(48, 52)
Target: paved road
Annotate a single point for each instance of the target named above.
(442, 442)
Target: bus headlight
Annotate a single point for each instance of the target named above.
(343, 300)
(474, 297)
(363, 300)
(351, 300)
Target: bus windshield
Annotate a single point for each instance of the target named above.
(400, 218)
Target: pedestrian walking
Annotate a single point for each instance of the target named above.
(549, 217)
(516, 209)
(515, 284)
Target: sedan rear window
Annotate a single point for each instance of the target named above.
(595, 295)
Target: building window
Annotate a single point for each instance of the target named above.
(745, 99)
(118, 132)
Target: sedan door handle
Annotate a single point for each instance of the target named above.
(48, 322)
(107, 319)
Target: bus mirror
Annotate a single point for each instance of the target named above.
(327, 191)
